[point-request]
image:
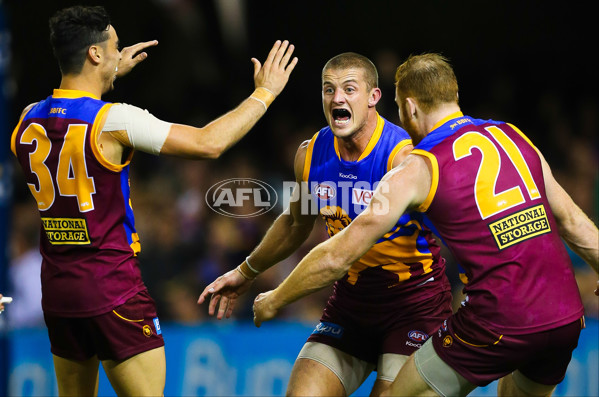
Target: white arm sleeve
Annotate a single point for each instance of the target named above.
(146, 132)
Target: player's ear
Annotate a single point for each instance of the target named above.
(375, 97)
(412, 107)
(95, 54)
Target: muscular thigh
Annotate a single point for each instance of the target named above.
(143, 374)
(389, 365)
(324, 370)
(76, 377)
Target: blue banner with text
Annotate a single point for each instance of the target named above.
(238, 359)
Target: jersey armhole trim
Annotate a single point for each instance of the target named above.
(434, 179)
(308, 159)
(94, 143)
(396, 149)
(13, 138)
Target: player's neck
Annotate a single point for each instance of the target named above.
(352, 147)
(439, 114)
(81, 82)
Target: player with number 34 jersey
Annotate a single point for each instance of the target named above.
(91, 238)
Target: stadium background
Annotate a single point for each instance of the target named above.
(530, 63)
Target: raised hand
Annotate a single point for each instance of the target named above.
(131, 56)
(274, 74)
(225, 289)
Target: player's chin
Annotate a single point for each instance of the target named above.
(341, 130)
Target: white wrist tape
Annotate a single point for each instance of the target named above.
(145, 132)
(247, 262)
(264, 96)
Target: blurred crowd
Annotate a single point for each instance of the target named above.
(185, 245)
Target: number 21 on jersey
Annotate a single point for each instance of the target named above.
(488, 202)
(70, 174)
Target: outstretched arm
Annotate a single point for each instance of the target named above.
(126, 126)
(404, 187)
(286, 235)
(219, 135)
(577, 230)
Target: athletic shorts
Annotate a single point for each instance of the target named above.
(482, 355)
(402, 332)
(129, 329)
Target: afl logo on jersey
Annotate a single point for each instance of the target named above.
(324, 191)
(241, 197)
(417, 336)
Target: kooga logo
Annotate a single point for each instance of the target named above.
(241, 197)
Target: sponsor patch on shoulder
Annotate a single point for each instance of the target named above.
(329, 329)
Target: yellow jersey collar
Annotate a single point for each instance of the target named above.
(446, 119)
(376, 135)
(72, 94)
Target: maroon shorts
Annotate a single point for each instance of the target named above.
(481, 355)
(400, 332)
(127, 330)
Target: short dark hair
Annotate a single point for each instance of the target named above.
(352, 60)
(73, 30)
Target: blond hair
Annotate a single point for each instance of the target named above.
(349, 60)
(428, 78)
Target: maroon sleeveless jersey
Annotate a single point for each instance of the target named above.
(88, 240)
(488, 202)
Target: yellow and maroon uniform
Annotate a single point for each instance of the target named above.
(488, 203)
(88, 240)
